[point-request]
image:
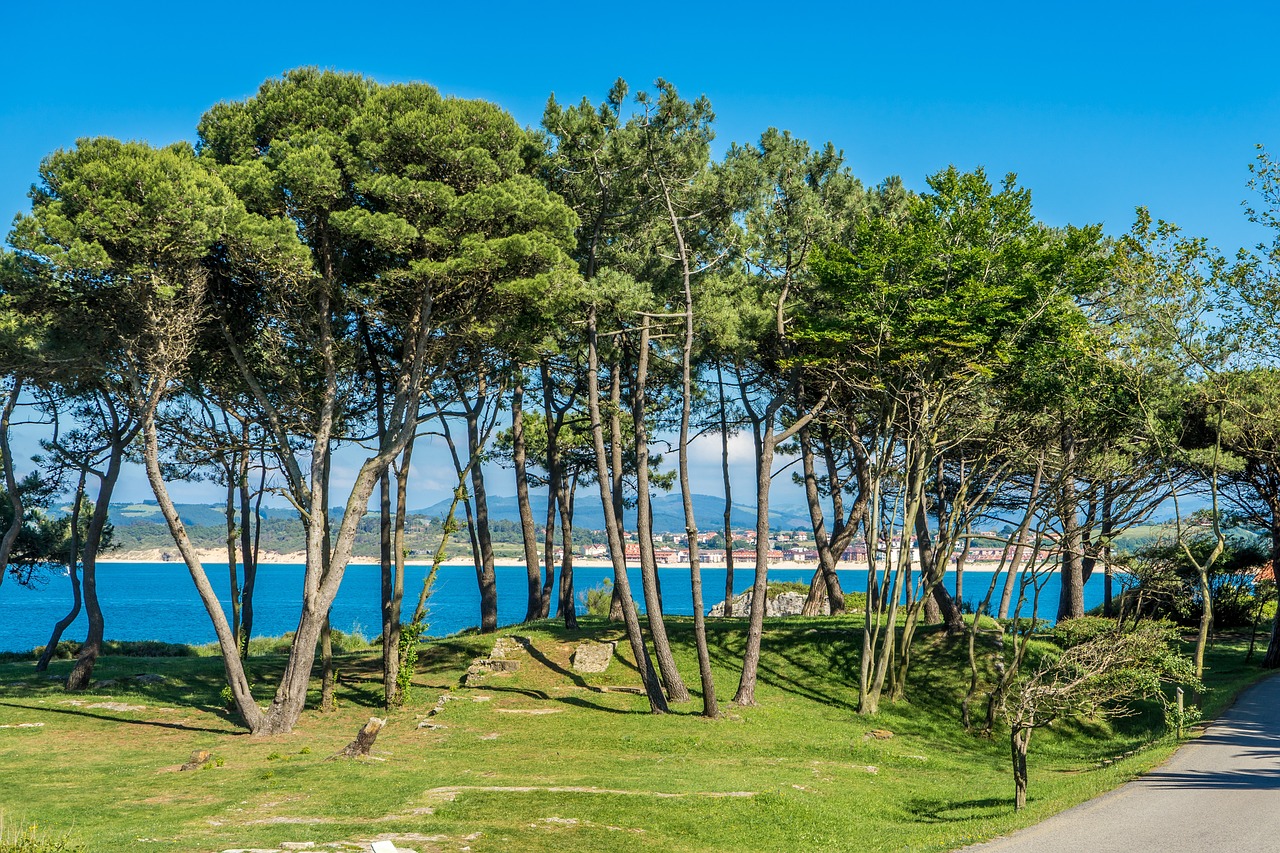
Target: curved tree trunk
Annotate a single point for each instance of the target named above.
(82, 672)
(73, 573)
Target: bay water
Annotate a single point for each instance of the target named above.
(158, 601)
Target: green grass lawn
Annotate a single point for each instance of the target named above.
(545, 759)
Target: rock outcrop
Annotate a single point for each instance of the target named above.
(783, 604)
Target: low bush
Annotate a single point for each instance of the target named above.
(31, 839)
(1073, 632)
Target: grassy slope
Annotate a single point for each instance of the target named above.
(597, 773)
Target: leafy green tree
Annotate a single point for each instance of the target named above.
(923, 308)
(113, 251)
(419, 218)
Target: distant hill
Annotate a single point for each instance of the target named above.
(668, 513)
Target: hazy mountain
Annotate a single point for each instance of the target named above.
(668, 513)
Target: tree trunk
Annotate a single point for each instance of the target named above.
(484, 566)
(387, 589)
(10, 479)
(327, 675)
(391, 637)
(82, 672)
(932, 572)
(232, 664)
(232, 566)
(1071, 601)
(250, 540)
(617, 453)
(528, 533)
(709, 707)
(676, 691)
(764, 446)
(549, 551)
(568, 607)
(73, 573)
(1018, 742)
(728, 497)
(552, 422)
(1272, 658)
(617, 553)
(825, 586)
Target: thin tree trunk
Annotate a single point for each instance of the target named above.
(568, 608)
(1271, 660)
(250, 541)
(486, 576)
(825, 583)
(709, 707)
(728, 496)
(391, 637)
(553, 489)
(676, 691)
(528, 532)
(232, 567)
(387, 590)
(764, 445)
(617, 452)
(617, 553)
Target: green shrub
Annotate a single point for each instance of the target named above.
(354, 641)
(855, 602)
(146, 649)
(777, 588)
(65, 650)
(31, 839)
(1073, 632)
(596, 601)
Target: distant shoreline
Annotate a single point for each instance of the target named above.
(208, 556)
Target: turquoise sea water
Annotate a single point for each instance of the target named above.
(158, 601)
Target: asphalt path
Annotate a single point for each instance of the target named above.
(1220, 792)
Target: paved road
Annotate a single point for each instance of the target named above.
(1220, 792)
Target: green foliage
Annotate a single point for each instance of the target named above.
(409, 647)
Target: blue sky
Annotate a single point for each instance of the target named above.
(1097, 107)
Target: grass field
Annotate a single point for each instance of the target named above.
(545, 759)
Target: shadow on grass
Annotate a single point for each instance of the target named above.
(77, 712)
(930, 810)
(792, 665)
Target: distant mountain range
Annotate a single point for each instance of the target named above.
(668, 513)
